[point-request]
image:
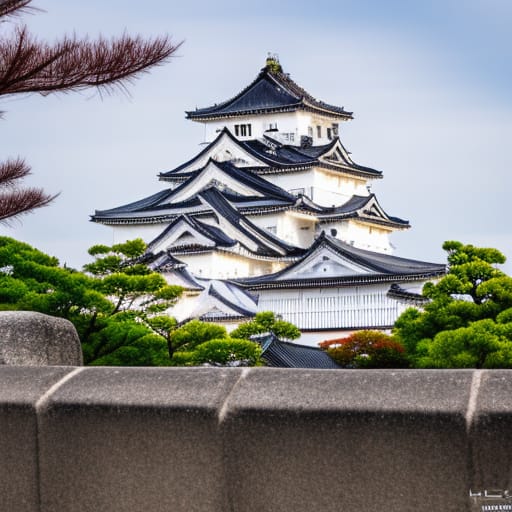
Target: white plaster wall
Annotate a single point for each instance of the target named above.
(296, 123)
(294, 182)
(148, 232)
(323, 187)
(331, 189)
(364, 236)
(217, 265)
(334, 308)
(294, 228)
(286, 123)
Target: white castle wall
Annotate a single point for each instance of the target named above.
(291, 126)
(148, 232)
(351, 307)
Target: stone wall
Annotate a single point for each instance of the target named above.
(251, 440)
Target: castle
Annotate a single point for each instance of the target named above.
(273, 214)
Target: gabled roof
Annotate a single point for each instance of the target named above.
(271, 91)
(195, 232)
(269, 156)
(238, 185)
(219, 301)
(331, 262)
(229, 178)
(187, 234)
(282, 354)
(249, 235)
(364, 208)
(232, 149)
(174, 270)
(234, 301)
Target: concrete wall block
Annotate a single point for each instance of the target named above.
(135, 439)
(491, 432)
(259, 439)
(305, 440)
(21, 389)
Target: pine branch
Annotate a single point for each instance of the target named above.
(28, 65)
(18, 202)
(12, 7)
(11, 171)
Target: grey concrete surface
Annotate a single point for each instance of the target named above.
(28, 338)
(140, 439)
(349, 440)
(491, 432)
(241, 440)
(20, 390)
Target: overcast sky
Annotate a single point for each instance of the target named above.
(429, 83)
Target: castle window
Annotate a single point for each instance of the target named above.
(245, 130)
(237, 130)
(310, 131)
(319, 132)
(329, 133)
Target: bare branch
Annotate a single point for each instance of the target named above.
(28, 65)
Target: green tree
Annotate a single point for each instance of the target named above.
(115, 310)
(227, 352)
(196, 343)
(121, 274)
(193, 333)
(266, 321)
(464, 304)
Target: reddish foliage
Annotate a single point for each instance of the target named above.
(366, 349)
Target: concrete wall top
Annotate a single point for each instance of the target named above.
(259, 439)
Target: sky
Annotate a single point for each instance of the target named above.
(429, 83)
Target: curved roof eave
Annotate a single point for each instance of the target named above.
(268, 92)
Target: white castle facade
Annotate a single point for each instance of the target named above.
(273, 214)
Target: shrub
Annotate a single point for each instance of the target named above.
(367, 349)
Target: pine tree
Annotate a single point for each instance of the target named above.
(28, 65)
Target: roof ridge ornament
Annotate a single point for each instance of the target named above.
(272, 63)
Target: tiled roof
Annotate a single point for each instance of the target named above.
(168, 205)
(282, 354)
(278, 157)
(364, 208)
(175, 270)
(268, 244)
(379, 268)
(271, 91)
(213, 233)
